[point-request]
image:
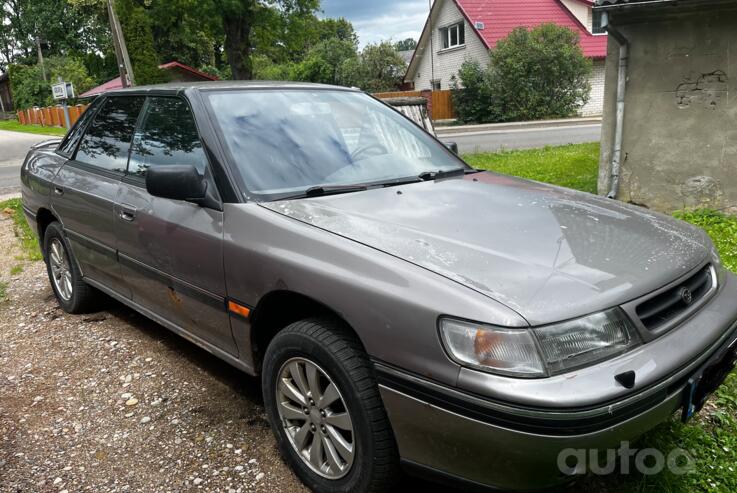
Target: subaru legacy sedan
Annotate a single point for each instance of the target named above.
(403, 310)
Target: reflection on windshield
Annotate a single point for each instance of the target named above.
(287, 141)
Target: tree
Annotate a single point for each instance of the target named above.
(340, 28)
(405, 45)
(187, 31)
(239, 17)
(378, 68)
(540, 73)
(65, 27)
(139, 39)
(324, 61)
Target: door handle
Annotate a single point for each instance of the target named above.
(127, 213)
(127, 216)
(58, 191)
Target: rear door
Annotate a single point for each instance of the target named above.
(85, 189)
(171, 252)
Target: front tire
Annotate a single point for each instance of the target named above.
(74, 295)
(325, 409)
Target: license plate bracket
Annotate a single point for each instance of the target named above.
(706, 381)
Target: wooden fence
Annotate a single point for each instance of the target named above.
(50, 116)
(439, 103)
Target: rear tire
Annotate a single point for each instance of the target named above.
(356, 450)
(74, 295)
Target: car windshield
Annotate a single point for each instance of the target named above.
(286, 142)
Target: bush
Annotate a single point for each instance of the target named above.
(532, 74)
(473, 100)
(30, 89)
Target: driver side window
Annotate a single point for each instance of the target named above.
(167, 135)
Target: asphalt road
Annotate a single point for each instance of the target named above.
(13, 149)
(522, 138)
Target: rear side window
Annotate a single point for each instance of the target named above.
(108, 138)
(69, 144)
(167, 135)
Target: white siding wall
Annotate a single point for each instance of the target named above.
(448, 62)
(595, 106)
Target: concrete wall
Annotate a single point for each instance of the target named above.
(448, 62)
(680, 129)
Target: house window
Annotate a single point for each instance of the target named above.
(596, 24)
(454, 35)
(435, 84)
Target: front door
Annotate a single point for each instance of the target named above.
(170, 251)
(86, 187)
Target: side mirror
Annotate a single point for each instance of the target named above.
(452, 146)
(177, 182)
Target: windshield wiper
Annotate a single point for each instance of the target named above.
(320, 190)
(435, 175)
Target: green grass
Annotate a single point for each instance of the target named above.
(711, 438)
(16, 269)
(3, 291)
(573, 166)
(26, 236)
(31, 129)
(722, 229)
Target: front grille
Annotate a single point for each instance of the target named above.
(668, 305)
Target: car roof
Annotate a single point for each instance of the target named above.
(177, 87)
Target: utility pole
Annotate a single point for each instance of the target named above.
(121, 52)
(41, 58)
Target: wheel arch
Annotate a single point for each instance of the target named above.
(44, 217)
(277, 309)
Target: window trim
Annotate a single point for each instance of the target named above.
(133, 178)
(603, 31)
(445, 35)
(83, 124)
(107, 172)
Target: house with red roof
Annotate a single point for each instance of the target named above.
(457, 30)
(177, 72)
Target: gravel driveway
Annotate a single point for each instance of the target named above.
(113, 402)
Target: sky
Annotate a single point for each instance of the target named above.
(378, 20)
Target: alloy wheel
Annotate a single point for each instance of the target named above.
(315, 418)
(61, 272)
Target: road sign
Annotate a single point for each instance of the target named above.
(63, 90)
(59, 90)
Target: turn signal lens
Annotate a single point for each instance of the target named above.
(504, 351)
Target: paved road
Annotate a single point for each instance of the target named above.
(13, 149)
(522, 138)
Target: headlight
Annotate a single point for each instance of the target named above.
(505, 351)
(541, 351)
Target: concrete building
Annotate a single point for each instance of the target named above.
(458, 30)
(678, 102)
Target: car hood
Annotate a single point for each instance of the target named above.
(546, 252)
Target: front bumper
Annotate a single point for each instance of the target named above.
(462, 435)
